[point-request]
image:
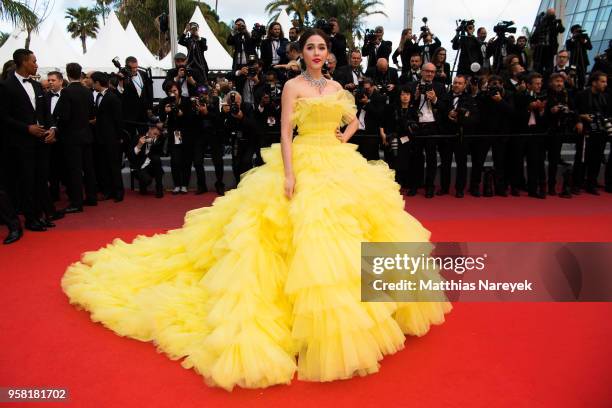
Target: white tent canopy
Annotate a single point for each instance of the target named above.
(138, 46)
(216, 56)
(15, 40)
(54, 52)
(285, 22)
(113, 41)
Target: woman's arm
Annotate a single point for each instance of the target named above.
(289, 96)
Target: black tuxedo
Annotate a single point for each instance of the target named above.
(369, 50)
(469, 46)
(29, 153)
(241, 42)
(410, 48)
(153, 169)
(338, 48)
(195, 53)
(344, 75)
(73, 112)
(108, 138)
(373, 117)
(191, 89)
(267, 52)
(135, 106)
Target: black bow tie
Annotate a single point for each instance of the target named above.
(53, 94)
(456, 95)
(26, 80)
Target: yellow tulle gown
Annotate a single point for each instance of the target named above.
(258, 287)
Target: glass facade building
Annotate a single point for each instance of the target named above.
(592, 15)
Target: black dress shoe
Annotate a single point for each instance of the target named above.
(592, 190)
(536, 194)
(608, 189)
(429, 193)
(13, 236)
(220, 188)
(565, 194)
(515, 192)
(412, 192)
(45, 222)
(72, 210)
(575, 190)
(201, 190)
(118, 196)
(58, 215)
(34, 226)
(159, 193)
(106, 197)
(442, 192)
(475, 193)
(459, 194)
(90, 203)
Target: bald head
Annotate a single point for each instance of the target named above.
(428, 71)
(550, 12)
(382, 64)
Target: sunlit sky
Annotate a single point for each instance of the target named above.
(441, 14)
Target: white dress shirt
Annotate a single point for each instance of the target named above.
(54, 99)
(29, 88)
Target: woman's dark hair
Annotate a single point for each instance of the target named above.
(309, 33)
(7, 68)
(434, 57)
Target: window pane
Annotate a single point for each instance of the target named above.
(608, 34)
(582, 5)
(571, 6)
(593, 53)
(600, 26)
(589, 21)
(594, 4)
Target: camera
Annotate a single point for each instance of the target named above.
(424, 88)
(252, 65)
(494, 90)
(504, 27)
(324, 25)
(234, 107)
(125, 71)
(274, 90)
(258, 33)
(325, 68)
(369, 36)
(424, 28)
(601, 124)
(580, 34)
(462, 25)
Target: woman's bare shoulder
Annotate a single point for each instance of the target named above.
(336, 85)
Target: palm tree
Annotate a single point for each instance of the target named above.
(350, 15)
(300, 9)
(17, 13)
(83, 23)
(3, 37)
(103, 8)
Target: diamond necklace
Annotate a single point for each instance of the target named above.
(318, 83)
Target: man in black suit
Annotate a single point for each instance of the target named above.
(377, 48)
(413, 73)
(73, 113)
(145, 160)
(430, 102)
(338, 43)
(196, 46)
(136, 96)
(188, 79)
(108, 138)
(24, 111)
(243, 45)
(469, 47)
(273, 48)
(385, 79)
(350, 76)
(370, 111)
(57, 171)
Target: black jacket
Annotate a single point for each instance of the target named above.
(109, 119)
(156, 150)
(135, 107)
(338, 48)
(195, 53)
(410, 48)
(369, 50)
(74, 110)
(495, 117)
(192, 89)
(470, 52)
(267, 52)
(344, 75)
(579, 52)
(440, 108)
(17, 113)
(240, 42)
(467, 103)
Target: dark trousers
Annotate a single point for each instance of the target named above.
(242, 157)
(553, 153)
(367, 145)
(429, 146)
(587, 161)
(478, 149)
(57, 170)
(153, 171)
(201, 145)
(8, 216)
(180, 164)
(499, 149)
(109, 160)
(32, 178)
(80, 173)
(448, 148)
(536, 171)
(517, 147)
(406, 164)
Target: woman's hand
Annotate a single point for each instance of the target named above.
(340, 136)
(289, 185)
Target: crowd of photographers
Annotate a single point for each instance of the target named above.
(519, 99)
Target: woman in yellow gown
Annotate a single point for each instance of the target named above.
(266, 281)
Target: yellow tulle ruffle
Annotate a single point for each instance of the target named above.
(257, 287)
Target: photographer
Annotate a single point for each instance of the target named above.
(430, 44)
(443, 74)
(594, 108)
(329, 67)
(400, 121)
(499, 47)
(431, 106)
(187, 78)
(267, 113)
(516, 82)
(338, 43)
(249, 81)
(385, 79)
(481, 36)
(350, 76)
(544, 41)
(274, 47)
(496, 107)
(578, 46)
(207, 137)
(177, 114)
(243, 44)
(520, 50)
(375, 47)
(136, 89)
(414, 72)
(567, 71)
(370, 111)
(292, 68)
(407, 47)
(145, 160)
(530, 108)
(241, 132)
(468, 46)
(561, 119)
(461, 118)
(196, 46)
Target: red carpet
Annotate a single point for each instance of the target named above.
(487, 354)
